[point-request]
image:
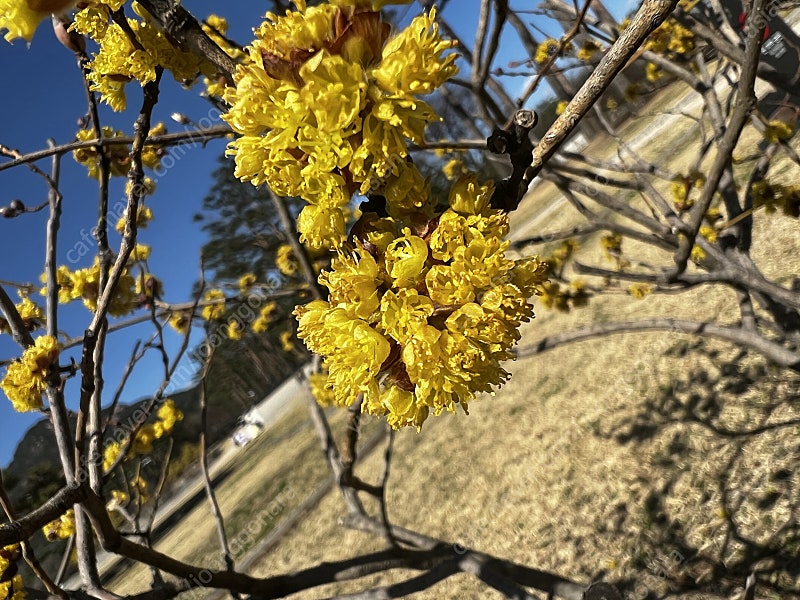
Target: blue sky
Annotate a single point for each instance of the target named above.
(44, 98)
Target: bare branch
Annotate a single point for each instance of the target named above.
(775, 352)
(651, 14)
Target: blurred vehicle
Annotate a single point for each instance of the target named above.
(249, 425)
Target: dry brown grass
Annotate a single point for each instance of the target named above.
(621, 458)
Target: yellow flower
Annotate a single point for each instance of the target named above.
(588, 51)
(453, 169)
(640, 290)
(118, 499)
(407, 191)
(321, 228)
(353, 283)
(235, 330)
(25, 379)
(215, 310)
(778, 131)
(61, 528)
(111, 453)
(217, 23)
(404, 312)
(20, 18)
(355, 351)
(561, 107)
(405, 259)
(545, 50)
(286, 261)
(139, 485)
(140, 253)
(362, 88)
(468, 197)
(432, 304)
(413, 62)
(12, 587)
(30, 312)
(86, 284)
(143, 442)
(612, 245)
(246, 281)
(180, 321)
(118, 155)
(287, 341)
(709, 233)
(118, 61)
(653, 72)
(322, 394)
(169, 414)
(261, 324)
(552, 296)
(143, 217)
(66, 288)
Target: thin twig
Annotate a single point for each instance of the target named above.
(192, 136)
(649, 16)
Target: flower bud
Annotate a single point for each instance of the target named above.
(72, 40)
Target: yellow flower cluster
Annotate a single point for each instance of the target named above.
(640, 290)
(61, 528)
(454, 168)
(30, 312)
(216, 27)
(111, 452)
(547, 48)
(122, 59)
(611, 245)
(118, 154)
(247, 281)
(118, 499)
(653, 72)
(322, 394)
(85, 284)
(139, 485)
(215, 309)
(20, 18)
(671, 39)
(774, 196)
(588, 50)
(553, 296)
(325, 106)
(180, 321)
(561, 107)
(778, 131)
(25, 379)
(168, 415)
(681, 187)
(143, 217)
(419, 320)
(286, 261)
(261, 324)
(709, 233)
(12, 586)
(287, 341)
(632, 92)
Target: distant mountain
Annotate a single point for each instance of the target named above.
(35, 471)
